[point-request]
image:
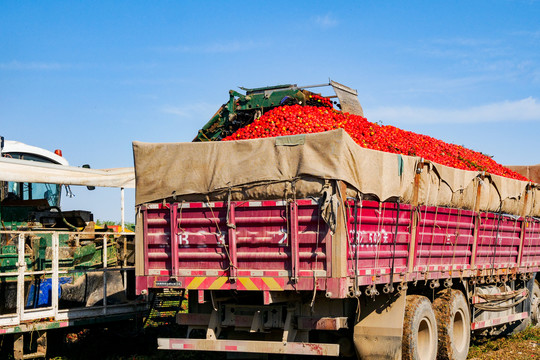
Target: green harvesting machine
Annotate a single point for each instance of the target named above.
(243, 109)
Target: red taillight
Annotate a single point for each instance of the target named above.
(58, 152)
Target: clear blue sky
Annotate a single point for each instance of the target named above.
(91, 77)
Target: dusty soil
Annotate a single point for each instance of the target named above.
(525, 345)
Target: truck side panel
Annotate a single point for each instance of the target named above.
(278, 245)
(531, 244)
(376, 246)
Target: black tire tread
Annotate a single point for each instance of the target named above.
(445, 308)
(409, 343)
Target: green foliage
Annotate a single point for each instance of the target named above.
(531, 333)
(484, 347)
(127, 225)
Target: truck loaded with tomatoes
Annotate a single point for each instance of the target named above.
(297, 226)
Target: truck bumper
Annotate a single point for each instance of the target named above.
(248, 346)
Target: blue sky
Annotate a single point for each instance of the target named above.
(91, 77)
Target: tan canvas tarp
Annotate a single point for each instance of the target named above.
(300, 166)
(40, 172)
(530, 172)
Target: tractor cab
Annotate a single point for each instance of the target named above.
(20, 192)
(35, 204)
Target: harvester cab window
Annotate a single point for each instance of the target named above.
(32, 191)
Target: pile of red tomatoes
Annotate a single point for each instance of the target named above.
(296, 119)
(317, 100)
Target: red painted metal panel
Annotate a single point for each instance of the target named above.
(174, 239)
(531, 244)
(145, 239)
(445, 237)
(499, 237)
(249, 238)
(372, 236)
(295, 246)
(232, 242)
(278, 239)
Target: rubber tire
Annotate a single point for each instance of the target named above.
(454, 324)
(419, 330)
(535, 304)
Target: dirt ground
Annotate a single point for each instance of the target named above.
(525, 345)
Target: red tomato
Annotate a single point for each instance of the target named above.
(297, 119)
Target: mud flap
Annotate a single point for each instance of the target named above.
(379, 332)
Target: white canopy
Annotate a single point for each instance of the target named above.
(38, 172)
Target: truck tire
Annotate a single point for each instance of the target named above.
(419, 329)
(454, 325)
(535, 304)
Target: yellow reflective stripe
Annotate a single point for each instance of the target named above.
(248, 284)
(196, 282)
(216, 285)
(272, 283)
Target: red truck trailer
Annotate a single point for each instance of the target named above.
(311, 244)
